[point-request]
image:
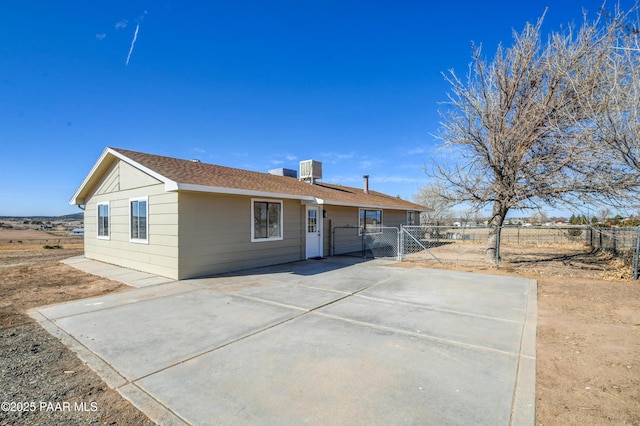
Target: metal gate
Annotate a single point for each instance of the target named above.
(380, 242)
(415, 239)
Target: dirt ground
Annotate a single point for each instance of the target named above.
(588, 369)
(43, 382)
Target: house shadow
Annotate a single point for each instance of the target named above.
(309, 267)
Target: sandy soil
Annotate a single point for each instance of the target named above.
(588, 369)
(43, 381)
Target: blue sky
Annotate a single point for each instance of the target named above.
(255, 85)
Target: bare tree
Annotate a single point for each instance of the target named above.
(431, 196)
(603, 214)
(619, 126)
(518, 130)
(540, 217)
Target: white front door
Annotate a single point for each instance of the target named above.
(314, 232)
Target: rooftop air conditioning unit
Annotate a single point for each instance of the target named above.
(310, 171)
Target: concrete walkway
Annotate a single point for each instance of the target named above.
(127, 276)
(334, 341)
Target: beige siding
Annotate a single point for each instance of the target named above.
(131, 178)
(160, 255)
(215, 235)
(110, 182)
(346, 240)
(394, 218)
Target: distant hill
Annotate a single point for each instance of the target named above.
(68, 217)
(74, 216)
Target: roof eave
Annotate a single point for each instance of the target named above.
(79, 198)
(239, 191)
(371, 205)
(76, 199)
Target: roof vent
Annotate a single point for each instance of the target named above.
(310, 171)
(195, 160)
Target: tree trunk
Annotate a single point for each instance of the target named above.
(493, 242)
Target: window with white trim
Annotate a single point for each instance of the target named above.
(138, 220)
(103, 220)
(266, 220)
(370, 221)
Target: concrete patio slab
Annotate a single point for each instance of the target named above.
(495, 297)
(449, 326)
(334, 341)
(293, 295)
(100, 303)
(140, 338)
(341, 373)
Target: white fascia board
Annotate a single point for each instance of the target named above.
(74, 199)
(237, 191)
(169, 184)
(368, 206)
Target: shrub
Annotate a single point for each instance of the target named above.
(574, 232)
(50, 247)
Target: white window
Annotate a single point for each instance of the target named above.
(103, 221)
(266, 220)
(138, 220)
(411, 218)
(370, 221)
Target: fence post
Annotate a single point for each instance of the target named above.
(600, 238)
(401, 243)
(636, 255)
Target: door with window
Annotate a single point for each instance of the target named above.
(314, 231)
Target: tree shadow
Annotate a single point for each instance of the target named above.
(584, 260)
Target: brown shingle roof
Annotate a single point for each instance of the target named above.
(190, 175)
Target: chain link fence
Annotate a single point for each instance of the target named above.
(468, 246)
(518, 245)
(379, 242)
(620, 242)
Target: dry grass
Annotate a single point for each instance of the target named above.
(72, 245)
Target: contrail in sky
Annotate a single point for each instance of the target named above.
(133, 42)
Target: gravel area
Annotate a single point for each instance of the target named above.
(42, 382)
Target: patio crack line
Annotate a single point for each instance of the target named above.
(134, 393)
(305, 312)
(419, 335)
(435, 308)
(106, 308)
